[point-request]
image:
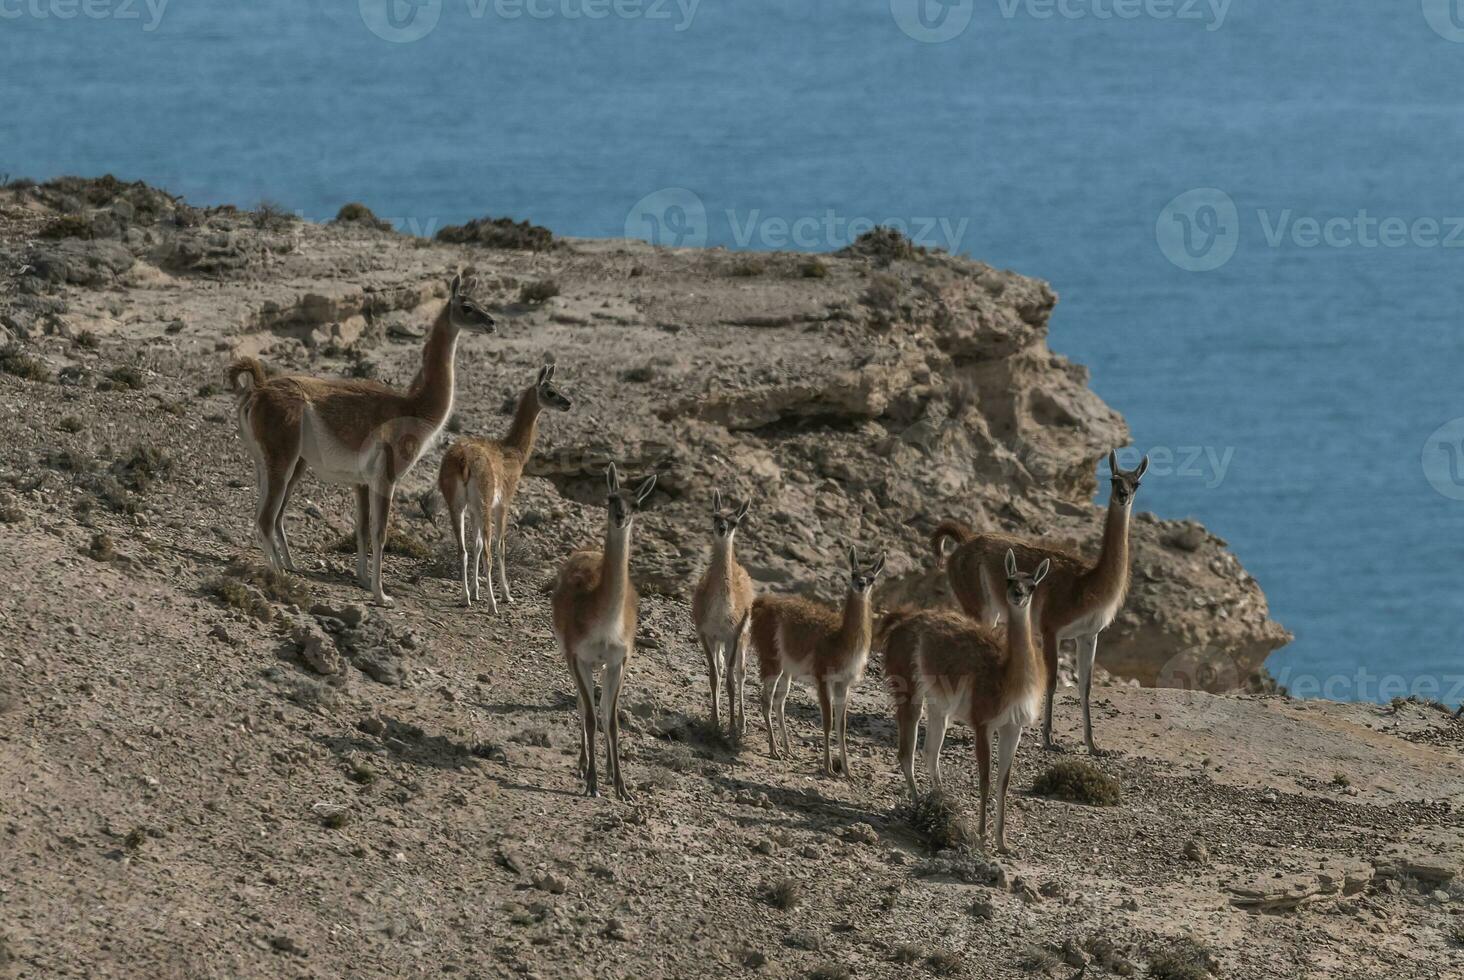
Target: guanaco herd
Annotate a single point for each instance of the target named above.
(944, 663)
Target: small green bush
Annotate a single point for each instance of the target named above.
(882, 294)
(86, 340)
(14, 360)
(884, 245)
(785, 894)
(813, 268)
(398, 542)
(1182, 959)
(939, 825)
(748, 267)
(124, 377)
(499, 233)
(534, 293)
(71, 424)
(1078, 782)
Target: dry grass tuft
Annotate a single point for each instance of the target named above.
(785, 894)
(534, 293)
(1182, 959)
(14, 360)
(939, 824)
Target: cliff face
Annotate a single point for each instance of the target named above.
(858, 399)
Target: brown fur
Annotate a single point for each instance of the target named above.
(491, 467)
(798, 639)
(1078, 589)
(360, 424)
(721, 612)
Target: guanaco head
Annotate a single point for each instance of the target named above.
(464, 312)
(1021, 586)
(548, 392)
(1125, 482)
(624, 503)
(861, 577)
(725, 522)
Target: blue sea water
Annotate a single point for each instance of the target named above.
(1252, 210)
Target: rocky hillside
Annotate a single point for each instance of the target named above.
(206, 770)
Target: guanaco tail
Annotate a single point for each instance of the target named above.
(797, 639)
(595, 606)
(721, 611)
(478, 479)
(1081, 598)
(956, 667)
(358, 433)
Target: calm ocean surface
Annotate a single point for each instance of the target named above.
(1291, 391)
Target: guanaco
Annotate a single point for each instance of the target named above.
(1080, 600)
(956, 667)
(721, 610)
(595, 607)
(478, 479)
(359, 433)
(797, 639)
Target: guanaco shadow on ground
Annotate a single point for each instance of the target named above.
(410, 744)
(813, 810)
(560, 702)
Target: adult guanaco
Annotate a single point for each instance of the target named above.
(360, 433)
(595, 607)
(797, 639)
(1081, 599)
(478, 479)
(721, 610)
(956, 667)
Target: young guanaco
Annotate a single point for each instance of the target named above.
(478, 479)
(721, 610)
(1081, 599)
(797, 639)
(957, 667)
(595, 607)
(358, 433)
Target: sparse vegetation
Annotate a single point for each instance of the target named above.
(1039, 959)
(66, 226)
(234, 594)
(534, 293)
(251, 589)
(641, 374)
(10, 512)
(748, 267)
(70, 423)
(398, 542)
(830, 971)
(1078, 782)
(884, 245)
(86, 340)
(908, 953)
(1341, 780)
(813, 268)
(946, 963)
(136, 837)
(356, 213)
(102, 548)
(939, 824)
(141, 467)
(124, 377)
(785, 894)
(1182, 959)
(14, 360)
(270, 216)
(882, 295)
(361, 773)
(210, 389)
(499, 233)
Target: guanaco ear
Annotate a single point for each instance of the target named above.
(1113, 462)
(877, 567)
(544, 374)
(853, 562)
(716, 501)
(455, 285)
(612, 479)
(1011, 564)
(1042, 571)
(643, 491)
(741, 514)
(1143, 467)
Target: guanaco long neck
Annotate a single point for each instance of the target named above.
(1021, 666)
(615, 573)
(722, 560)
(525, 427)
(432, 395)
(1111, 574)
(856, 632)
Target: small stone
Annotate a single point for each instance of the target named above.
(551, 883)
